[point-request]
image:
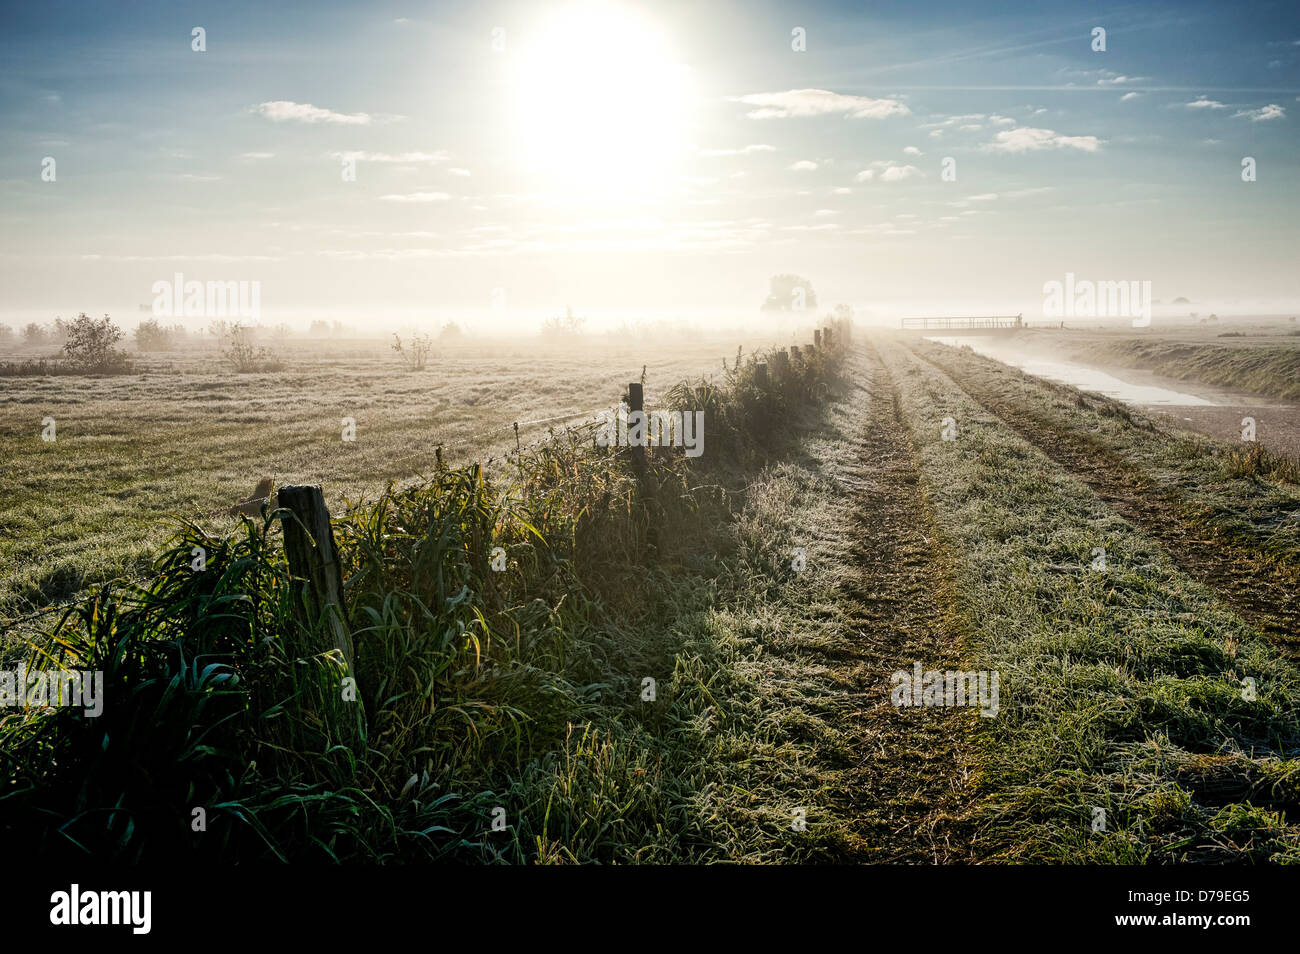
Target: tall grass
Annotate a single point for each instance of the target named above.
(483, 694)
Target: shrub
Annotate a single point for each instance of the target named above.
(151, 335)
(416, 353)
(245, 356)
(91, 345)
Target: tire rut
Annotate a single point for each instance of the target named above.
(916, 780)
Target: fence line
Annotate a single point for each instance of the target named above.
(822, 337)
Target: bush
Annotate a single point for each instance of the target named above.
(416, 353)
(152, 336)
(245, 356)
(91, 345)
(564, 326)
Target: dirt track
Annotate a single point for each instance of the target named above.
(916, 773)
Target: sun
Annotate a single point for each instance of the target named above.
(599, 104)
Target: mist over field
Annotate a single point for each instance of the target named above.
(608, 432)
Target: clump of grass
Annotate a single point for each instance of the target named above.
(1259, 463)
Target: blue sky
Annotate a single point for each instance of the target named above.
(645, 159)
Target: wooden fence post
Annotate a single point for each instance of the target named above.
(313, 558)
(827, 336)
(781, 363)
(809, 350)
(636, 402)
(817, 339)
(760, 374)
(794, 352)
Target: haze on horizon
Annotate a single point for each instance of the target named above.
(653, 160)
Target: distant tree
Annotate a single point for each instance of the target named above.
(790, 293)
(844, 312)
(567, 325)
(91, 344)
(7, 333)
(319, 329)
(450, 332)
(281, 333)
(34, 334)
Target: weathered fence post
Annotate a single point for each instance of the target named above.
(309, 545)
(794, 352)
(636, 402)
(781, 363)
(760, 374)
(827, 337)
(313, 558)
(817, 339)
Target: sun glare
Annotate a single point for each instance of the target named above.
(599, 105)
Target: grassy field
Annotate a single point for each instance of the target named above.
(189, 437)
(699, 664)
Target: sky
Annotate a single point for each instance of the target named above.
(644, 160)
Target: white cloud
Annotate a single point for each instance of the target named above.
(912, 151)
(282, 110)
(1031, 139)
(257, 155)
(1128, 96)
(459, 172)
(803, 165)
(417, 197)
(820, 102)
(1204, 103)
(1271, 111)
(888, 171)
(743, 151)
(983, 197)
(825, 213)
